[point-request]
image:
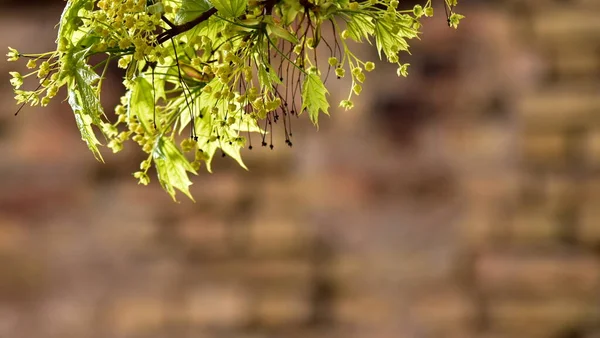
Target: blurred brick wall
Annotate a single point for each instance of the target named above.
(460, 202)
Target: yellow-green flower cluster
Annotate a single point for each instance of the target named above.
(125, 24)
(136, 131)
(218, 68)
(46, 73)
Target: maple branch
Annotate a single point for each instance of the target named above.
(178, 29)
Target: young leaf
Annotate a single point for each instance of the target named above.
(194, 74)
(267, 78)
(247, 124)
(70, 22)
(204, 128)
(230, 8)
(191, 9)
(313, 97)
(233, 149)
(359, 27)
(210, 150)
(172, 167)
(208, 64)
(84, 101)
(84, 125)
(387, 40)
(141, 102)
(282, 33)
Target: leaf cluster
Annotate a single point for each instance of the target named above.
(201, 75)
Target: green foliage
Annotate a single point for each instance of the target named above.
(314, 97)
(85, 103)
(230, 8)
(216, 68)
(171, 167)
(191, 9)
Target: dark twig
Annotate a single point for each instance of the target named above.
(178, 29)
(167, 21)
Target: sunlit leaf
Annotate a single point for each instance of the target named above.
(282, 33)
(360, 27)
(211, 70)
(191, 9)
(172, 167)
(230, 8)
(70, 22)
(141, 102)
(314, 97)
(387, 40)
(84, 101)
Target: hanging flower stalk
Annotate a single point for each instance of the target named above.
(214, 70)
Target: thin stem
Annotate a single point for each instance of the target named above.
(176, 30)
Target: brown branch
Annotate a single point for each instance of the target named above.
(307, 4)
(178, 29)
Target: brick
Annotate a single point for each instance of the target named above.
(293, 271)
(559, 108)
(495, 188)
(353, 275)
(325, 189)
(535, 276)
(277, 196)
(67, 316)
(591, 190)
(539, 319)
(273, 271)
(130, 315)
(138, 238)
(218, 306)
(443, 312)
(26, 186)
(478, 224)
(486, 147)
(544, 149)
(576, 63)
(559, 192)
(279, 236)
(556, 5)
(592, 148)
(14, 234)
(347, 273)
(276, 310)
(22, 277)
(153, 196)
(512, 334)
(533, 226)
(490, 198)
(566, 24)
(365, 310)
(588, 228)
(205, 235)
(226, 187)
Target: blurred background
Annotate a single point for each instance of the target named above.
(463, 201)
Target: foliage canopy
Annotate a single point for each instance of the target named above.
(217, 69)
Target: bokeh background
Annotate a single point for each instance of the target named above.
(461, 202)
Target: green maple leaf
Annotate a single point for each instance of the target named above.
(70, 21)
(141, 102)
(230, 8)
(85, 102)
(359, 27)
(314, 97)
(191, 9)
(172, 167)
